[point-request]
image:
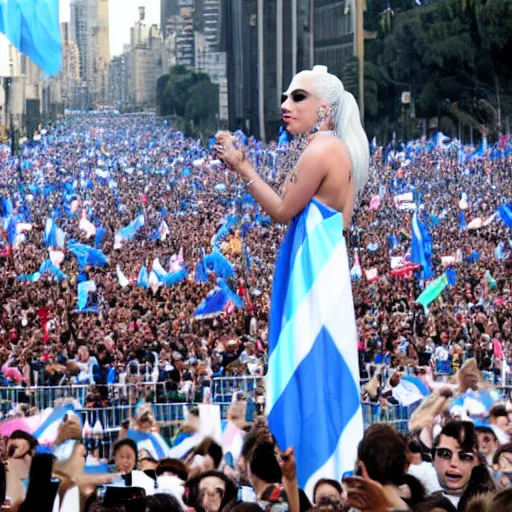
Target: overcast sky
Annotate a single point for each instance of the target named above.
(123, 14)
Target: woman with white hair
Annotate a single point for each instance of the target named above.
(312, 339)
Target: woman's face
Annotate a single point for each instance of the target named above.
(211, 492)
(125, 459)
(299, 105)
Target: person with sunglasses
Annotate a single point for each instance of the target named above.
(312, 331)
(487, 442)
(460, 470)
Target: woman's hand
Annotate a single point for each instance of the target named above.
(226, 151)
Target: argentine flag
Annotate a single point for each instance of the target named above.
(313, 398)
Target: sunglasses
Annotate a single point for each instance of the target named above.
(447, 454)
(296, 96)
(486, 439)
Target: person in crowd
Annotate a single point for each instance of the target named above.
(459, 469)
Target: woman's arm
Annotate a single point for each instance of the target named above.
(311, 171)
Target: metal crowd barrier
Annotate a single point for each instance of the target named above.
(396, 415)
(43, 397)
(224, 389)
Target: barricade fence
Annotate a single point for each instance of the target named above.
(105, 422)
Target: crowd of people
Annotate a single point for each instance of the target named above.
(105, 171)
(183, 295)
(444, 463)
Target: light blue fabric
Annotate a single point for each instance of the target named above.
(84, 288)
(143, 279)
(87, 255)
(313, 398)
(217, 300)
(128, 232)
(32, 26)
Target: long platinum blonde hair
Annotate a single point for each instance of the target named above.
(347, 121)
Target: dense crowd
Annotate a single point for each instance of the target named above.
(92, 176)
(110, 169)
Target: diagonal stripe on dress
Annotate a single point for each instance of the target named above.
(313, 399)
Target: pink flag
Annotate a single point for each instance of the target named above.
(375, 202)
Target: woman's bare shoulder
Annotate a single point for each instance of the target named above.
(328, 145)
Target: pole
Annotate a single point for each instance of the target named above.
(261, 71)
(359, 50)
(294, 37)
(312, 35)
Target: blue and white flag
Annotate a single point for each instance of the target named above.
(143, 279)
(162, 232)
(462, 221)
(87, 255)
(85, 305)
(32, 26)
(506, 214)
(153, 442)
(121, 278)
(46, 267)
(53, 235)
(214, 262)
(128, 232)
(46, 432)
(217, 301)
(313, 396)
(419, 247)
(168, 278)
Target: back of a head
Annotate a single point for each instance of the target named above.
(40, 493)
(502, 500)
(383, 452)
(347, 120)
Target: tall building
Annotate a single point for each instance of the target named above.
(185, 52)
(103, 53)
(144, 65)
(79, 32)
(168, 10)
(90, 31)
(207, 14)
(118, 80)
(333, 22)
(266, 42)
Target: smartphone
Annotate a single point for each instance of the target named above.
(2, 483)
(246, 494)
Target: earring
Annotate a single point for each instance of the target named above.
(321, 119)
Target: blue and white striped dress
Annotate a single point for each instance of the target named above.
(313, 399)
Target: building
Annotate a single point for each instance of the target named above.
(185, 35)
(333, 22)
(79, 31)
(103, 53)
(144, 66)
(118, 79)
(207, 13)
(90, 31)
(266, 43)
(169, 9)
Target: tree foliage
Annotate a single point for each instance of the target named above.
(449, 52)
(191, 97)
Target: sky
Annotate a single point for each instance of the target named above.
(122, 15)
